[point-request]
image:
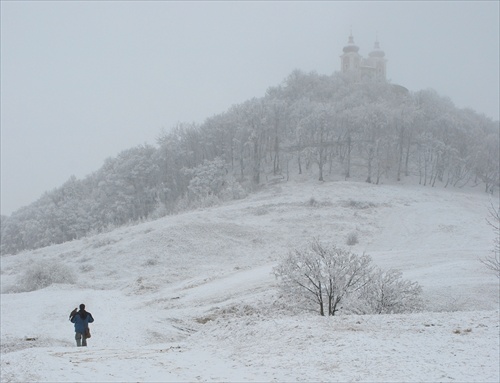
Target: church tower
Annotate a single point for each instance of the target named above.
(350, 61)
(378, 61)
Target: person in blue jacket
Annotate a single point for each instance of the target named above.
(81, 319)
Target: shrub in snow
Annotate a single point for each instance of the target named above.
(312, 202)
(352, 239)
(151, 262)
(358, 204)
(182, 204)
(205, 201)
(233, 190)
(261, 210)
(159, 212)
(387, 293)
(43, 274)
(335, 278)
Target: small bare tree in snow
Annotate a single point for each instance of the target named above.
(492, 261)
(324, 274)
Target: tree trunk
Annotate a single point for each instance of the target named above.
(370, 158)
(320, 164)
(256, 164)
(276, 168)
(408, 154)
(348, 168)
(400, 159)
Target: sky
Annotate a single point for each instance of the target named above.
(82, 81)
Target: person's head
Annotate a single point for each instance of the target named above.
(82, 307)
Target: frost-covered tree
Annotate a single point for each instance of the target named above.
(387, 293)
(324, 274)
(334, 278)
(207, 179)
(492, 261)
(252, 116)
(348, 127)
(127, 186)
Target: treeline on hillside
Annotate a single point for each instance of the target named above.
(330, 126)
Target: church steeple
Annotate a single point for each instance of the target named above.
(351, 59)
(377, 60)
(351, 46)
(376, 52)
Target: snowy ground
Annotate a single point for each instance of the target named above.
(192, 297)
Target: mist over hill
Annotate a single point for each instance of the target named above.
(325, 127)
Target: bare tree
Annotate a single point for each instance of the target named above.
(492, 261)
(324, 274)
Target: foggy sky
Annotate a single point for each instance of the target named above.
(82, 81)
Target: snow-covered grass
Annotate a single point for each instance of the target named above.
(192, 297)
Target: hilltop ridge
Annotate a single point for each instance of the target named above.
(321, 127)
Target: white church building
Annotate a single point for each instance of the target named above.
(373, 66)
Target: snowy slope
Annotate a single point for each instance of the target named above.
(192, 297)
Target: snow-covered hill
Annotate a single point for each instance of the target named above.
(192, 297)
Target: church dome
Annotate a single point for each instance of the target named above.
(351, 47)
(376, 52)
